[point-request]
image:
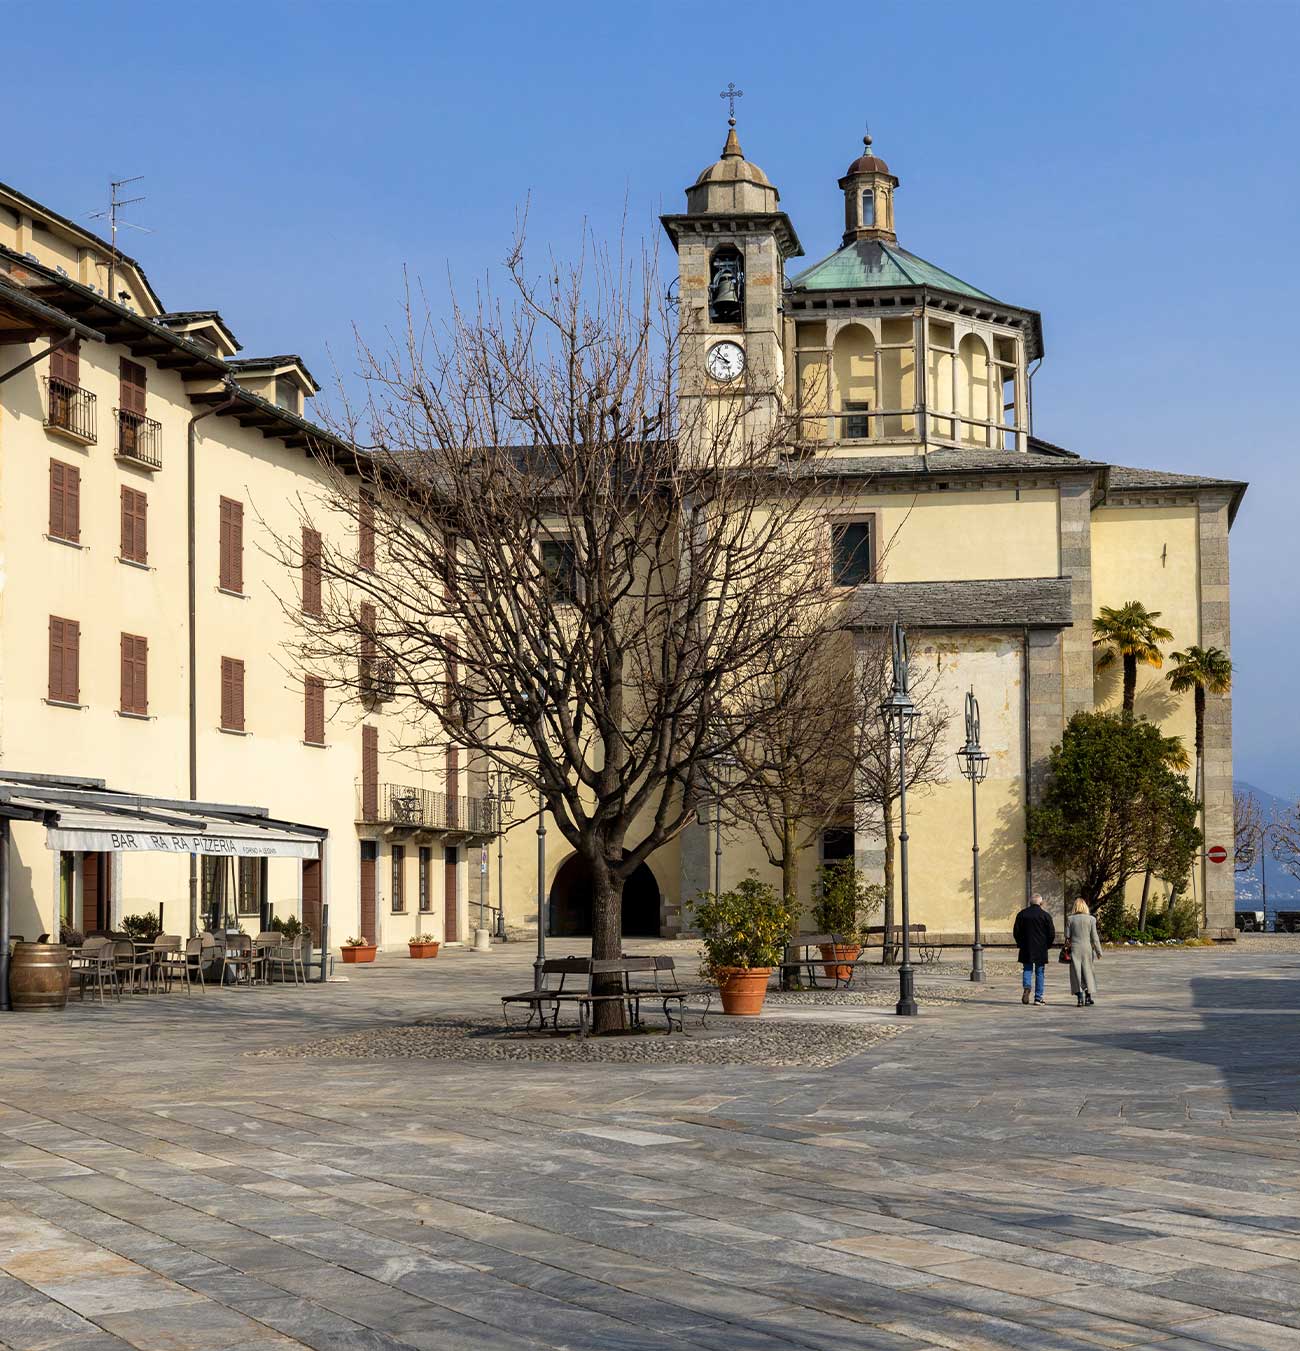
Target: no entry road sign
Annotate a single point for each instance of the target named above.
(1217, 854)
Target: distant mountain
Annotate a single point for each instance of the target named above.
(1283, 889)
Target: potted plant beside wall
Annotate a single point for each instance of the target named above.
(424, 945)
(844, 902)
(744, 932)
(358, 950)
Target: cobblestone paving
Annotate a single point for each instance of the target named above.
(994, 1177)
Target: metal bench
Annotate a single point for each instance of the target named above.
(581, 992)
(666, 989)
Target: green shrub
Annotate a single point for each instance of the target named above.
(290, 927)
(141, 926)
(1184, 919)
(746, 927)
(845, 900)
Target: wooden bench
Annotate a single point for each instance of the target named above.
(811, 963)
(581, 992)
(916, 932)
(666, 989)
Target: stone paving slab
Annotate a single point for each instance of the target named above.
(992, 1177)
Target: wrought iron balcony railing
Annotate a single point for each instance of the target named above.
(139, 439)
(70, 410)
(397, 804)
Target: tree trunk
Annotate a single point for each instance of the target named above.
(1146, 894)
(887, 945)
(606, 939)
(1130, 683)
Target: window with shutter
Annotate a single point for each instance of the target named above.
(232, 694)
(369, 651)
(399, 878)
(370, 773)
(65, 501)
(311, 572)
(232, 545)
(131, 397)
(135, 674)
(65, 364)
(135, 520)
(64, 684)
(366, 530)
(313, 710)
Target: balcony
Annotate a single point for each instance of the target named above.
(377, 680)
(902, 426)
(397, 804)
(69, 411)
(139, 439)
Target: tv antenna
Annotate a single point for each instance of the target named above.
(115, 203)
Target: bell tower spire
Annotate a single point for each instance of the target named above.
(868, 188)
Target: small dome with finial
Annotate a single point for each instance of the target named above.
(731, 183)
(866, 163)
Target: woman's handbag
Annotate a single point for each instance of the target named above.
(1064, 955)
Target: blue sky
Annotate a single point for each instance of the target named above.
(1128, 169)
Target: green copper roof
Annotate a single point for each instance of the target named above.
(871, 264)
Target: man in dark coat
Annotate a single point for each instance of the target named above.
(1034, 933)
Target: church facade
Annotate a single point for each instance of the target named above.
(995, 547)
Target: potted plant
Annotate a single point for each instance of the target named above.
(424, 945)
(844, 902)
(744, 933)
(143, 928)
(358, 950)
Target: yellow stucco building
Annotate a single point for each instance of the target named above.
(149, 476)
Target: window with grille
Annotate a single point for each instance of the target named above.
(425, 860)
(399, 879)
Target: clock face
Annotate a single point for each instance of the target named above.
(726, 360)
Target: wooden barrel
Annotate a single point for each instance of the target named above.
(39, 977)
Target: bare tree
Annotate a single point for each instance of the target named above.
(1284, 833)
(577, 569)
(1247, 831)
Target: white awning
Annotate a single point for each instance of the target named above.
(104, 832)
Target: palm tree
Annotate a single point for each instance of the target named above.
(1203, 670)
(1131, 635)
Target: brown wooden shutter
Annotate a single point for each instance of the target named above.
(366, 530)
(369, 650)
(133, 380)
(369, 773)
(232, 694)
(314, 710)
(65, 660)
(65, 364)
(232, 545)
(311, 572)
(135, 525)
(135, 674)
(65, 501)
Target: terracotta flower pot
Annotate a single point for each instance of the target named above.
(744, 989)
(839, 952)
(424, 949)
(360, 952)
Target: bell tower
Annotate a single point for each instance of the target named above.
(732, 243)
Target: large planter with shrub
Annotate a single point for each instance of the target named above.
(844, 901)
(743, 989)
(424, 945)
(744, 933)
(358, 952)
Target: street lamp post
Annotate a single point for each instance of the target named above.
(974, 764)
(899, 715)
(541, 890)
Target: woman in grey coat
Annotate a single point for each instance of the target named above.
(1081, 934)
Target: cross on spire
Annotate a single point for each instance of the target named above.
(731, 94)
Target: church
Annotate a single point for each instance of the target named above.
(992, 545)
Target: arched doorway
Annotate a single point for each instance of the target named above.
(570, 902)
